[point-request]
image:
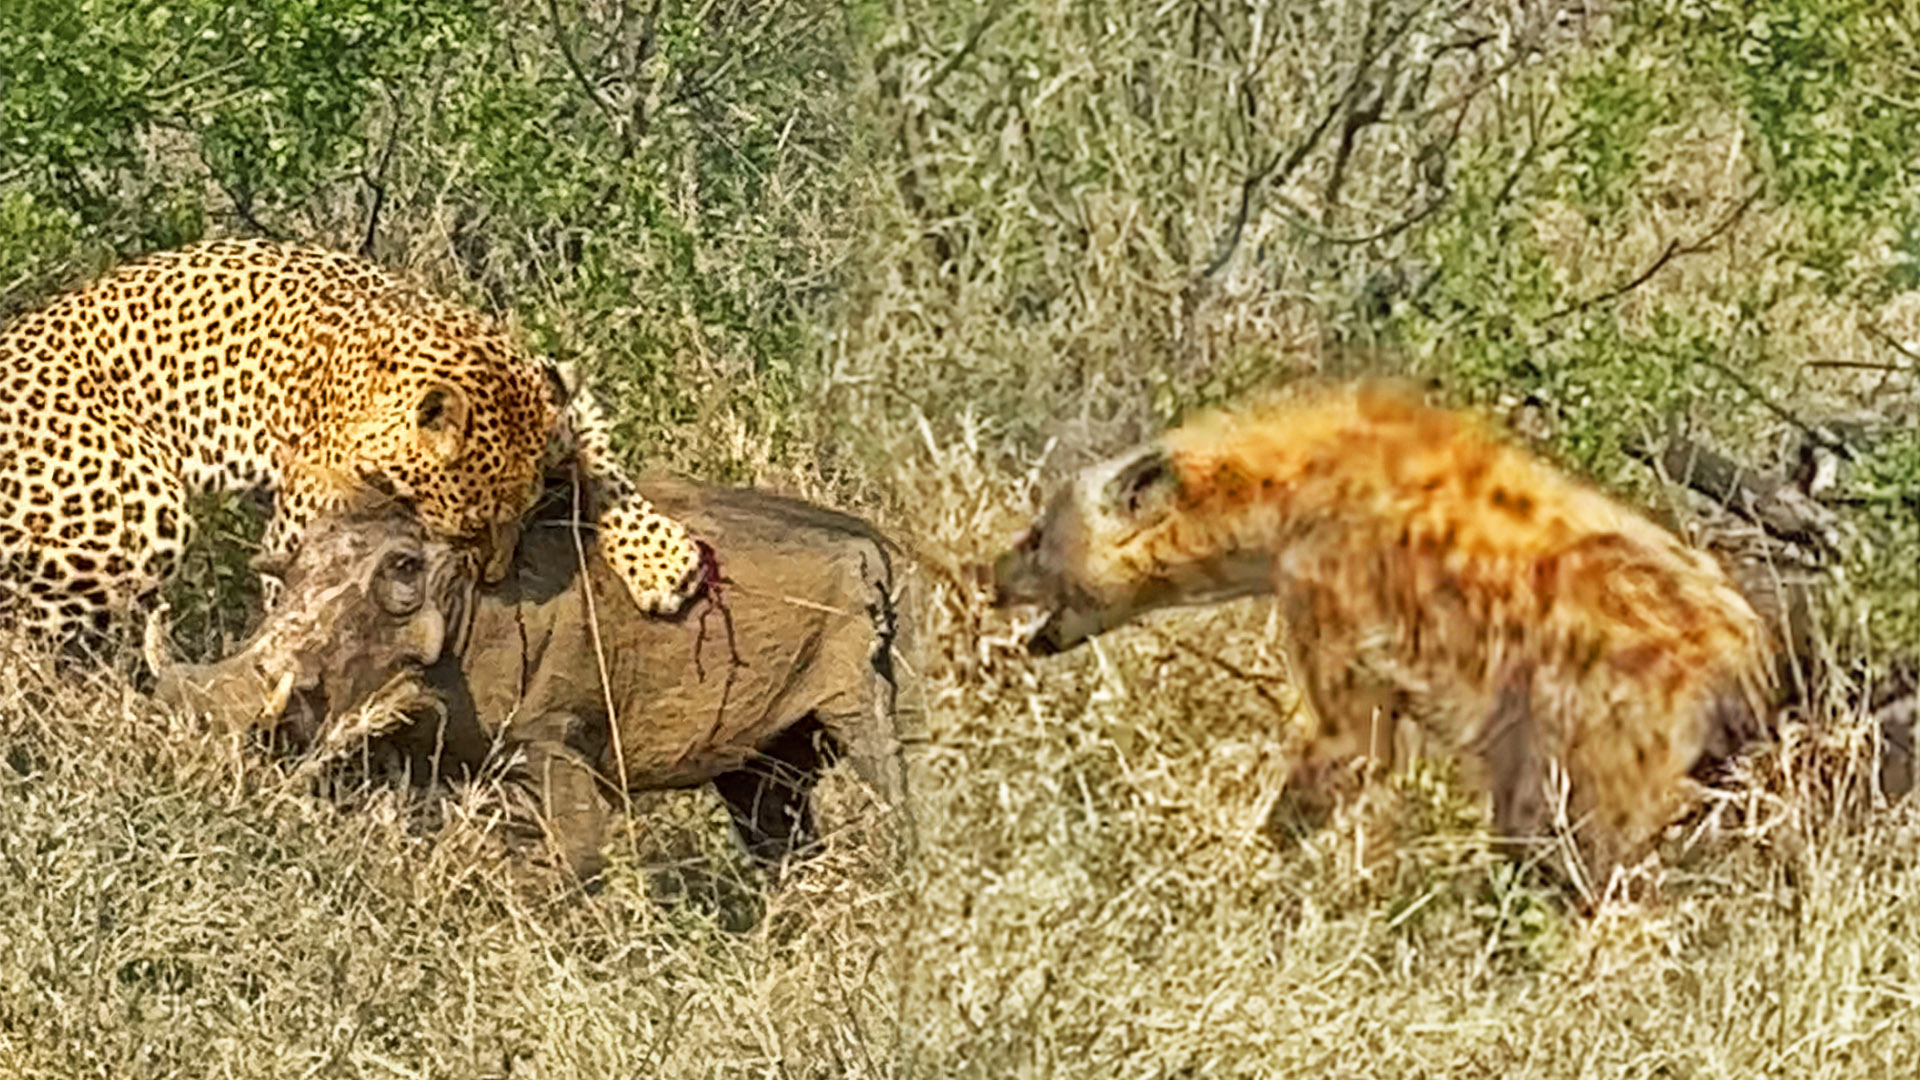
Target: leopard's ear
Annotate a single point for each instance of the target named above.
(440, 421)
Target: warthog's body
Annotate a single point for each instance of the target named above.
(784, 664)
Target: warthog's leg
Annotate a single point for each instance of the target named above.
(770, 797)
(857, 727)
(568, 789)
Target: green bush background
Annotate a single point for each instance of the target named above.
(783, 232)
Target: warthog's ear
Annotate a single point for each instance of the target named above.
(440, 421)
(271, 564)
(1144, 488)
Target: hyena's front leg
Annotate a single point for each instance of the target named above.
(1350, 732)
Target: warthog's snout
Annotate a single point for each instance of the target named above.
(359, 605)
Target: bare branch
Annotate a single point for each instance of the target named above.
(1770, 502)
(641, 119)
(1815, 433)
(377, 181)
(1674, 250)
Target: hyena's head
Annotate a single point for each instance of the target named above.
(1124, 537)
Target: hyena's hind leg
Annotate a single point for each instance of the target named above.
(1555, 802)
(1510, 754)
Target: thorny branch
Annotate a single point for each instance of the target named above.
(1362, 103)
(649, 41)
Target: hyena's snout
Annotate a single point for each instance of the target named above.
(1016, 578)
(1006, 577)
(1009, 580)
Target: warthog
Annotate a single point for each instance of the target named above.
(784, 665)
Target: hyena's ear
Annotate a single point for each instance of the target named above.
(1144, 488)
(440, 420)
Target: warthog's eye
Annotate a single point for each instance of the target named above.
(398, 586)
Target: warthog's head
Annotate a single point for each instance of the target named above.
(369, 595)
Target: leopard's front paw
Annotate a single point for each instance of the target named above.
(658, 559)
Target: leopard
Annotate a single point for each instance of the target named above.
(305, 376)
(1582, 664)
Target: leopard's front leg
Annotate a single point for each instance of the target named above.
(657, 556)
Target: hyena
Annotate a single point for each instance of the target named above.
(1575, 657)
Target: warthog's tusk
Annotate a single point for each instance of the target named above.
(282, 693)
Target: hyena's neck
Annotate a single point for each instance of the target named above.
(1229, 529)
(1246, 505)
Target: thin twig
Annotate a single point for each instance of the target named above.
(1298, 218)
(1890, 342)
(1252, 679)
(1674, 250)
(1856, 365)
(599, 649)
